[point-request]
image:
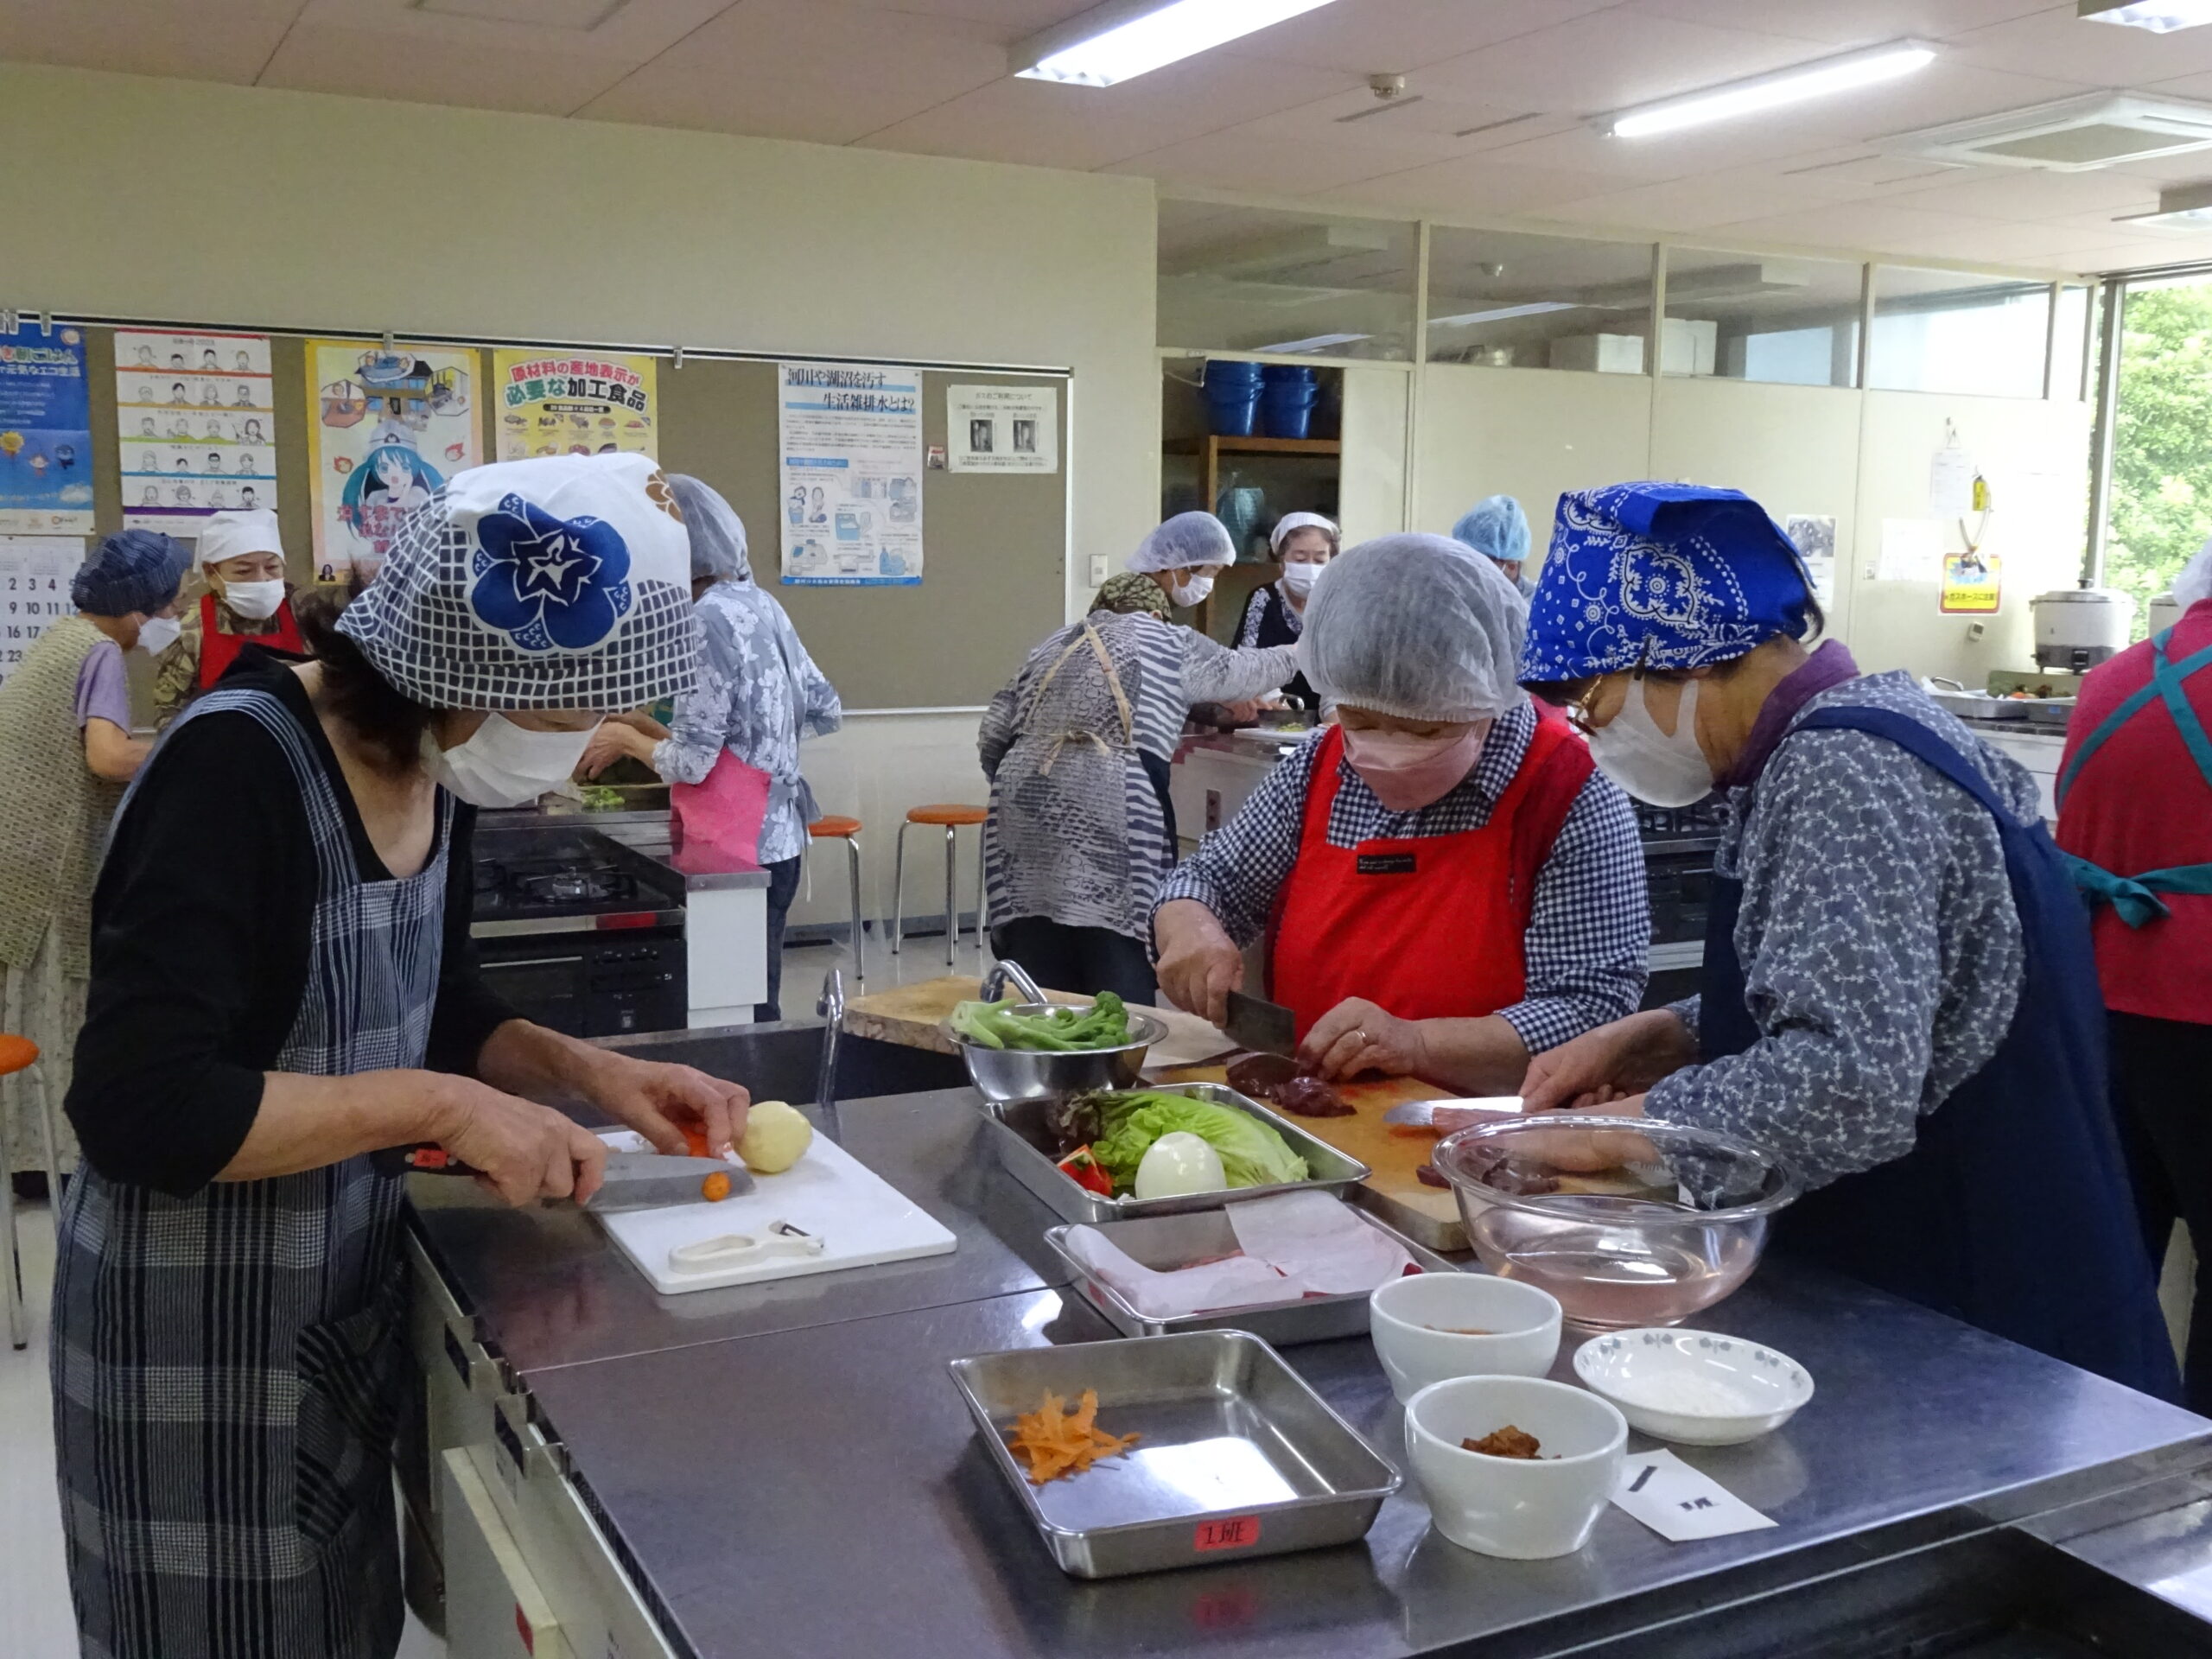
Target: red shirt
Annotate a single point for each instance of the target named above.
(2140, 803)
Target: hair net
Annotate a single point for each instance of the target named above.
(1187, 539)
(2194, 585)
(231, 535)
(1291, 521)
(717, 533)
(1418, 626)
(1131, 594)
(132, 571)
(1497, 528)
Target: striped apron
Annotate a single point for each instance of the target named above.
(229, 1369)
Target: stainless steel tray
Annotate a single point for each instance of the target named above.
(1167, 1243)
(1239, 1458)
(1025, 1147)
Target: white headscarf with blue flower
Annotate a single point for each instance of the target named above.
(1659, 575)
(563, 583)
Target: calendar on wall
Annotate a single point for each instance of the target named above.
(35, 576)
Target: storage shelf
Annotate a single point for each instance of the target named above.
(1253, 445)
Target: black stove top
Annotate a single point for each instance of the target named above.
(522, 874)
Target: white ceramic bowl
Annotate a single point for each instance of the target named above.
(1694, 1387)
(1418, 1323)
(1524, 1509)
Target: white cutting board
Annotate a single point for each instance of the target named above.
(860, 1218)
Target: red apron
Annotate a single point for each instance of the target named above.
(217, 650)
(1429, 927)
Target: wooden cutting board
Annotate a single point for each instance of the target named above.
(915, 1015)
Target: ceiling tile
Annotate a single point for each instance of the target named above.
(2140, 254)
(1864, 23)
(1367, 37)
(1243, 160)
(2007, 193)
(216, 40)
(1022, 16)
(1404, 134)
(1479, 184)
(1883, 227)
(364, 64)
(2061, 45)
(1695, 204)
(636, 30)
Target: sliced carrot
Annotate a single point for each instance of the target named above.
(695, 1140)
(714, 1188)
(1057, 1442)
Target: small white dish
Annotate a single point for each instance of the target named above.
(1692, 1387)
(1422, 1323)
(1520, 1509)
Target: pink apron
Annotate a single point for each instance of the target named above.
(719, 821)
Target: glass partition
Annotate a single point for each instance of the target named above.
(1955, 331)
(2071, 351)
(1753, 316)
(1506, 300)
(1259, 280)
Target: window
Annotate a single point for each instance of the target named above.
(1750, 316)
(2070, 349)
(1251, 279)
(1953, 331)
(1505, 300)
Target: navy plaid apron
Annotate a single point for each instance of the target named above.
(229, 1369)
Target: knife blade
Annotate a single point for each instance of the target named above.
(1263, 1027)
(635, 1180)
(1464, 1114)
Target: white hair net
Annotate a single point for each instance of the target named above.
(1291, 521)
(717, 533)
(1187, 539)
(1418, 627)
(2194, 585)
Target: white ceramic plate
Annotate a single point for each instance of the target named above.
(1692, 1386)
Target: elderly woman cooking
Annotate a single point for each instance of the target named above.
(1497, 528)
(1898, 992)
(242, 558)
(283, 986)
(1077, 747)
(1444, 887)
(1304, 543)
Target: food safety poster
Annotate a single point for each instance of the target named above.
(850, 439)
(196, 415)
(1972, 583)
(573, 403)
(45, 432)
(35, 576)
(387, 426)
(1003, 428)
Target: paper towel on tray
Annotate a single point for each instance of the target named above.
(1295, 1244)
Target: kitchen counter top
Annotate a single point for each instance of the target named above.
(848, 1510)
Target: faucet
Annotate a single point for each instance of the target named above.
(832, 1010)
(1004, 973)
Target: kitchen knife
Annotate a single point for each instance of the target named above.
(1263, 1027)
(635, 1180)
(1421, 1113)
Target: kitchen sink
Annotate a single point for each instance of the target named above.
(782, 1061)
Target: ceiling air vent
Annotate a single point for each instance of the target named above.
(2073, 136)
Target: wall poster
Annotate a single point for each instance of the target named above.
(45, 432)
(196, 417)
(1972, 583)
(1003, 428)
(387, 427)
(1814, 534)
(35, 576)
(849, 437)
(573, 403)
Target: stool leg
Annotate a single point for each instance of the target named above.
(899, 894)
(859, 933)
(19, 1334)
(952, 897)
(36, 1077)
(982, 897)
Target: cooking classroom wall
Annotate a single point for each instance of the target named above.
(352, 216)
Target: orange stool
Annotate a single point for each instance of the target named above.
(952, 817)
(20, 1054)
(833, 828)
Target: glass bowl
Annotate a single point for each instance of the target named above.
(1628, 1221)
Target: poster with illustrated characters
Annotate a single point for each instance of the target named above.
(850, 439)
(196, 416)
(387, 426)
(573, 403)
(36, 572)
(45, 432)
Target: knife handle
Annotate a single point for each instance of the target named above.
(429, 1159)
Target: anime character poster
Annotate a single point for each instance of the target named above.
(45, 432)
(196, 417)
(387, 427)
(573, 403)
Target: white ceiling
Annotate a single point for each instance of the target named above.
(1263, 115)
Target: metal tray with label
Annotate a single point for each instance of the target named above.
(1237, 1456)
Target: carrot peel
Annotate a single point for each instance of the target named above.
(1057, 1442)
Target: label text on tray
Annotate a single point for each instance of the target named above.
(1238, 1532)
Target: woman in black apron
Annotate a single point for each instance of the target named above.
(1303, 543)
(1898, 995)
(283, 988)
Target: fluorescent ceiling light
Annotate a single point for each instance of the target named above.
(1122, 40)
(1310, 343)
(2159, 16)
(1807, 81)
(1535, 308)
(2185, 207)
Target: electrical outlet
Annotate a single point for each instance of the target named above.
(1975, 631)
(1101, 566)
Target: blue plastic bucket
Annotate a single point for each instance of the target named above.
(1284, 374)
(1225, 372)
(1287, 408)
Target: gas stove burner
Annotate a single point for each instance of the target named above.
(575, 887)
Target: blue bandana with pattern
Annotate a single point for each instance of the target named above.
(1659, 575)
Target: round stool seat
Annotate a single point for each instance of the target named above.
(16, 1054)
(946, 814)
(832, 827)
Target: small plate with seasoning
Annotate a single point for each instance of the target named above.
(1692, 1386)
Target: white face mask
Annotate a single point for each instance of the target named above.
(503, 764)
(1664, 770)
(257, 601)
(1300, 576)
(157, 633)
(1191, 592)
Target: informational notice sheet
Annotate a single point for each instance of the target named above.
(1814, 536)
(45, 432)
(573, 403)
(849, 436)
(1972, 583)
(387, 427)
(1003, 428)
(34, 576)
(196, 417)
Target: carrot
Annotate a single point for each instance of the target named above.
(714, 1188)
(1057, 1442)
(695, 1140)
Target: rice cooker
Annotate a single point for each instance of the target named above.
(2076, 628)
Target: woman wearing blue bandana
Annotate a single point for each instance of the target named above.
(1899, 991)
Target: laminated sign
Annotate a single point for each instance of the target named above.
(849, 436)
(574, 403)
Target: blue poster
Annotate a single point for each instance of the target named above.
(46, 433)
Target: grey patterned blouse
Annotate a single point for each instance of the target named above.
(1882, 957)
